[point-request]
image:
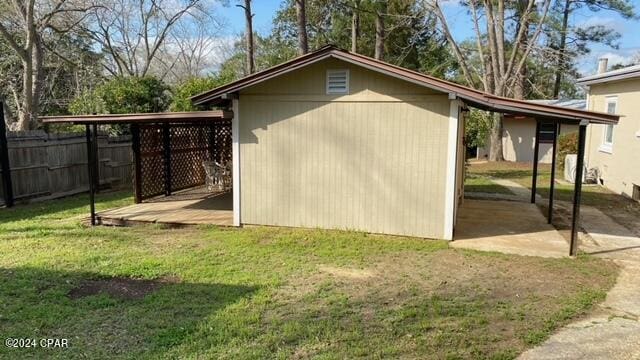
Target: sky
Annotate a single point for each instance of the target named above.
(265, 10)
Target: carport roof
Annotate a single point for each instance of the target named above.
(470, 96)
(166, 117)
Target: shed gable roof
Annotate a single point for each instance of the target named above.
(468, 95)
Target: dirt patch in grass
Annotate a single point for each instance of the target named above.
(120, 287)
(453, 303)
(349, 274)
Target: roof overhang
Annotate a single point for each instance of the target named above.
(609, 76)
(155, 118)
(468, 95)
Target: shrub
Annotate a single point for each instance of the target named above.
(123, 95)
(477, 128)
(567, 144)
(194, 86)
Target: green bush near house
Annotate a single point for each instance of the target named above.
(124, 95)
(182, 94)
(567, 144)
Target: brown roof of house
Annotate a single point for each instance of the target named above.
(166, 117)
(468, 95)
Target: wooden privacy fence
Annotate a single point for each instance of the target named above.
(46, 165)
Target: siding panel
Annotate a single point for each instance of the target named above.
(371, 166)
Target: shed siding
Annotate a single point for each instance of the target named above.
(345, 163)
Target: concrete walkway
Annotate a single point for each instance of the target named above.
(613, 330)
(517, 189)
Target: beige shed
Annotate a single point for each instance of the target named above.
(334, 139)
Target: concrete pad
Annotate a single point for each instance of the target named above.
(509, 227)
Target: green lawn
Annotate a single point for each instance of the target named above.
(254, 293)
(482, 184)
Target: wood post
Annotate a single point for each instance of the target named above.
(536, 151)
(91, 167)
(5, 167)
(96, 164)
(552, 184)
(577, 193)
(137, 170)
(166, 140)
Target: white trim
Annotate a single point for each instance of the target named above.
(337, 71)
(614, 75)
(607, 146)
(235, 151)
(450, 189)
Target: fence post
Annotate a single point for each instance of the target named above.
(7, 186)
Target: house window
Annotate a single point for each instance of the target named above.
(607, 137)
(337, 81)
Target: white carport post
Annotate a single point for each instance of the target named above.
(235, 159)
(452, 160)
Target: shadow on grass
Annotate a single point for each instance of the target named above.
(39, 303)
(64, 207)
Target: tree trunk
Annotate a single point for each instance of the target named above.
(379, 49)
(355, 28)
(561, 49)
(303, 46)
(495, 150)
(26, 110)
(520, 86)
(251, 66)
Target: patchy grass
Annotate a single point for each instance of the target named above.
(483, 184)
(622, 209)
(207, 292)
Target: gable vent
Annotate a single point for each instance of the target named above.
(337, 81)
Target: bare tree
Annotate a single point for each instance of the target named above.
(23, 26)
(251, 64)
(380, 31)
(191, 49)
(132, 32)
(500, 60)
(303, 46)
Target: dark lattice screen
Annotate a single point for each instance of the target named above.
(151, 161)
(190, 145)
(222, 142)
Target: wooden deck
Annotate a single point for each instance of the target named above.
(189, 207)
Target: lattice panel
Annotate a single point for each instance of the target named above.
(222, 142)
(190, 146)
(151, 160)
